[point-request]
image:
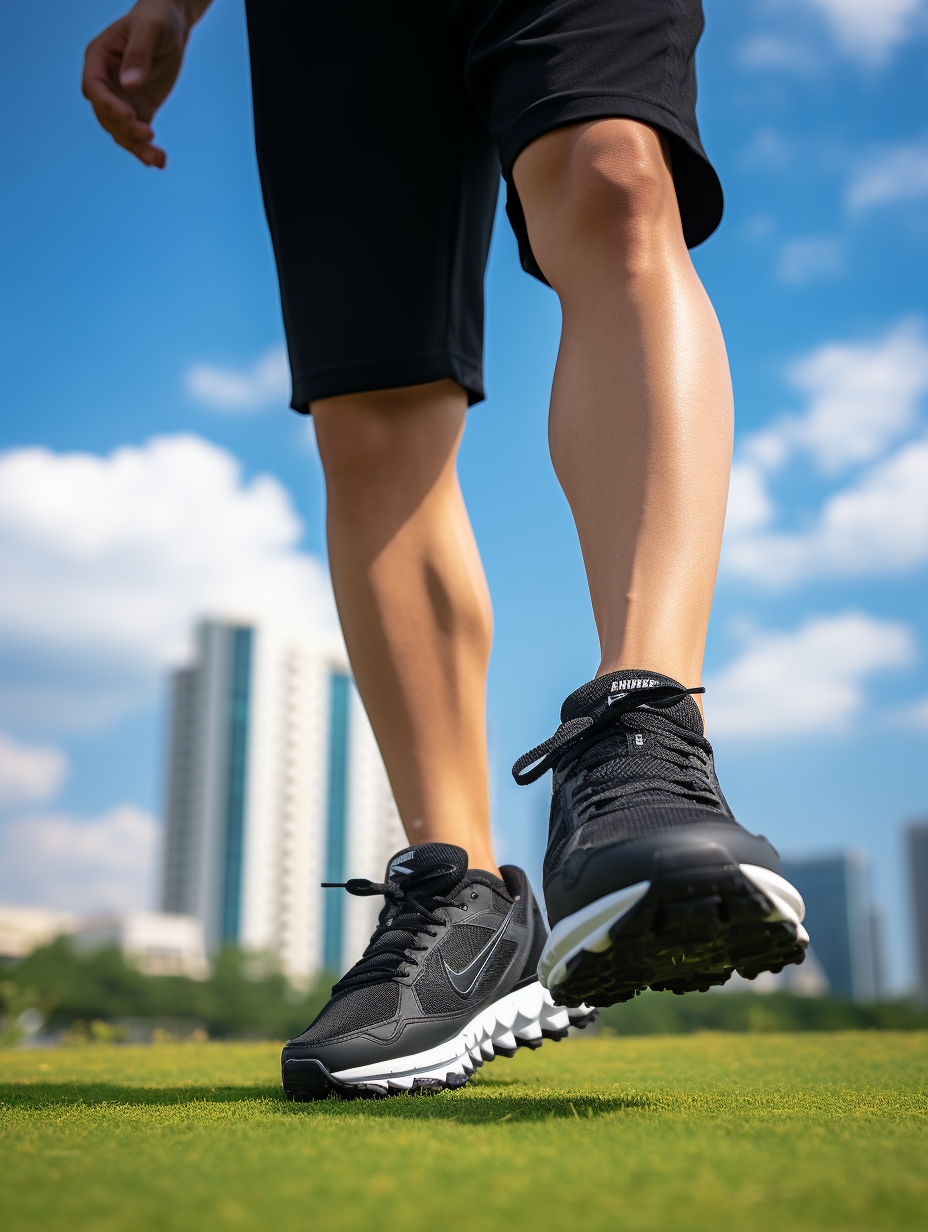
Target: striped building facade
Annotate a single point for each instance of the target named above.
(843, 923)
(275, 784)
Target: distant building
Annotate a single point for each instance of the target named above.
(840, 920)
(24, 929)
(153, 942)
(275, 784)
(150, 941)
(917, 842)
(878, 949)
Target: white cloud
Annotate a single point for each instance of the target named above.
(868, 30)
(107, 561)
(879, 525)
(29, 772)
(809, 680)
(758, 227)
(768, 150)
(768, 50)
(915, 714)
(861, 396)
(749, 505)
(56, 696)
(810, 258)
(860, 399)
(231, 389)
(890, 175)
(55, 860)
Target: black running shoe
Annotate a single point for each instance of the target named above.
(447, 982)
(649, 881)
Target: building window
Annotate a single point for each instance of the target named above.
(336, 822)
(235, 795)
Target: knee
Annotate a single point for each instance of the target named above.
(385, 440)
(599, 193)
(357, 440)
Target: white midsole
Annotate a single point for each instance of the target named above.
(589, 928)
(586, 929)
(786, 899)
(521, 1015)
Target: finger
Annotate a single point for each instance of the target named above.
(136, 59)
(101, 65)
(119, 120)
(130, 134)
(109, 107)
(137, 130)
(145, 152)
(114, 112)
(103, 57)
(119, 127)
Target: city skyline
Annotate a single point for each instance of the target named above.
(274, 783)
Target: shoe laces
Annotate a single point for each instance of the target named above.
(409, 909)
(679, 761)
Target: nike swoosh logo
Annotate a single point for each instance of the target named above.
(459, 979)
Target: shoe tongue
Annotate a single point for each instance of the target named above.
(427, 855)
(591, 695)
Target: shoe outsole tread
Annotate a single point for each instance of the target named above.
(690, 932)
(305, 1081)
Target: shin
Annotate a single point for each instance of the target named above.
(413, 601)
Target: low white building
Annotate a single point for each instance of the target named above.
(275, 784)
(152, 941)
(24, 929)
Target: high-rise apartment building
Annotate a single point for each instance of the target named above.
(917, 842)
(841, 921)
(275, 784)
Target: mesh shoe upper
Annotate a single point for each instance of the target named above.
(449, 940)
(629, 759)
(649, 880)
(352, 1011)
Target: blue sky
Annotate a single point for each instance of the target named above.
(138, 306)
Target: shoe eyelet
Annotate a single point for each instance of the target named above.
(464, 906)
(475, 895)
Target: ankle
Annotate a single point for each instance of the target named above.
(679, 670)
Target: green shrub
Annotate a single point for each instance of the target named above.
(244, 997)
(662, 1013)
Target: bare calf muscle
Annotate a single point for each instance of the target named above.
(641, 410)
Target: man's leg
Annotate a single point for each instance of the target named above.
(649, 880)
(413, 601)
(449, 978)
(641, 409)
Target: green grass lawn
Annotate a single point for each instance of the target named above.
(696, 1132)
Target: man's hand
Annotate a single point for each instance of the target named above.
(130, 69)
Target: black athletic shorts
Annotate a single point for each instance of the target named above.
(381, 126)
